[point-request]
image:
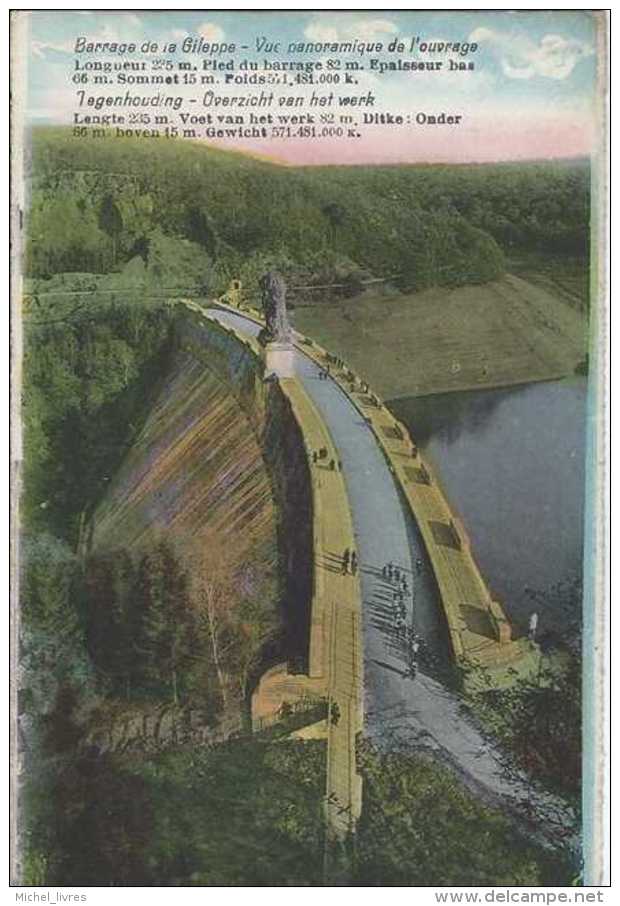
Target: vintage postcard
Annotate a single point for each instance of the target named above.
(307, 433)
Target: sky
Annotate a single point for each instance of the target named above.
(530, 96)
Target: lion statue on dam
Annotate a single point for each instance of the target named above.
(277, 328)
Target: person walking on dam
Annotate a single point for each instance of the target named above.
(533, 626)
(345, 560)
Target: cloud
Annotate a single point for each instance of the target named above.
(211, 32)
(482, 34)
(41, 48)
(47, 50)
(554, 57)
(369, 29)
(326, 31)
(316, 31)
(557, 56)
(132, 19)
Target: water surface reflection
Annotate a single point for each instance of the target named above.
(512, 464)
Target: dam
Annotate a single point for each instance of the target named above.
(387, 706)
(378, 499)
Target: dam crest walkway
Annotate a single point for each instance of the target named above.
(398, 514)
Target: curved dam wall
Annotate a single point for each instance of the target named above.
(280, 440)
(221, 452)
(478, 629)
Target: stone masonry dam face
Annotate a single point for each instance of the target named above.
(220, 452)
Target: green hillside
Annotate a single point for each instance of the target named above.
(425, 225)
(444, 339)
(112, 195)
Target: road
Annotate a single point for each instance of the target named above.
(419, 713)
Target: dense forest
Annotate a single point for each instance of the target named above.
(114, 228)
(249, 812)
(89, 374)
(443, 225)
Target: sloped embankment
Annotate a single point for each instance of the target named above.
(196, 467)
(221, 457)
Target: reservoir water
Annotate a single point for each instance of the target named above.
(511, 462)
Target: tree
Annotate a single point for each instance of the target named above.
(103, 821)
(253, 627)
(108, 586)
(538, 721)
(53, 651)
(212, 592)
(165, 635)
(111, 222)
(537, 718)
(200, 230)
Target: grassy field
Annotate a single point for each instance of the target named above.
(505, 332)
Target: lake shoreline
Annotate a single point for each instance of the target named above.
(520, 499)
(550, 377)
(503, 333)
